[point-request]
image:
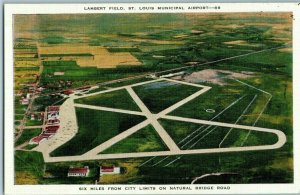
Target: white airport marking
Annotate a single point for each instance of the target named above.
(246, 109)
(265, 106)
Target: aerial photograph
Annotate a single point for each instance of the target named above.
(153, 98)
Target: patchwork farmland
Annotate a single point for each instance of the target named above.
(194, 95)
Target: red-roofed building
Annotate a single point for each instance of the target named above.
(37, 139)
(50, 128)
(53, 108)
(50, 132)
(78, 172)
(53, 121)
(46, 134)
(105, 170)
(68, 92)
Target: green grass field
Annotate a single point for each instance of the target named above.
(195, 136)
(28, 167)
(145, 140)
(160, 95)
(30, 146)
(177, 129)
(27, 135)
(217, 98)
(40, 103)
(35, 122)
(95, 127)
(115, 99)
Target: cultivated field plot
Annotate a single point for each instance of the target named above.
(89, 56)
(134, 121)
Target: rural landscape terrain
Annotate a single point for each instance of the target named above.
(153, 98)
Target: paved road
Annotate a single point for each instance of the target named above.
(213, 174)
(34, 127)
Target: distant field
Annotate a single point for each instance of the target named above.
(95, 127)
(145, 140)
(65, 54)
(123, 49)
(78, 75)
(101, 57)
(115, 99)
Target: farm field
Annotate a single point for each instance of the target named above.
(89, 56)
(239, 66)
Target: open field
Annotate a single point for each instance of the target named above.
(158, 96)
(116, 99)
(28, 167)
(40, 103)
(144, 140)
(192, 136)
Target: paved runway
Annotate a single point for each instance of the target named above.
(69, 128)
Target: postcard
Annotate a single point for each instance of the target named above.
(176, 98)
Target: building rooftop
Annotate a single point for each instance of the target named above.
(78, 170)
(53, 108)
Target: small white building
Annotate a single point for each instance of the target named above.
(172, 74)
(28, 95)
(109, 170)
(78, 172)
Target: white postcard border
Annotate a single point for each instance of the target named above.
(11, 9)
